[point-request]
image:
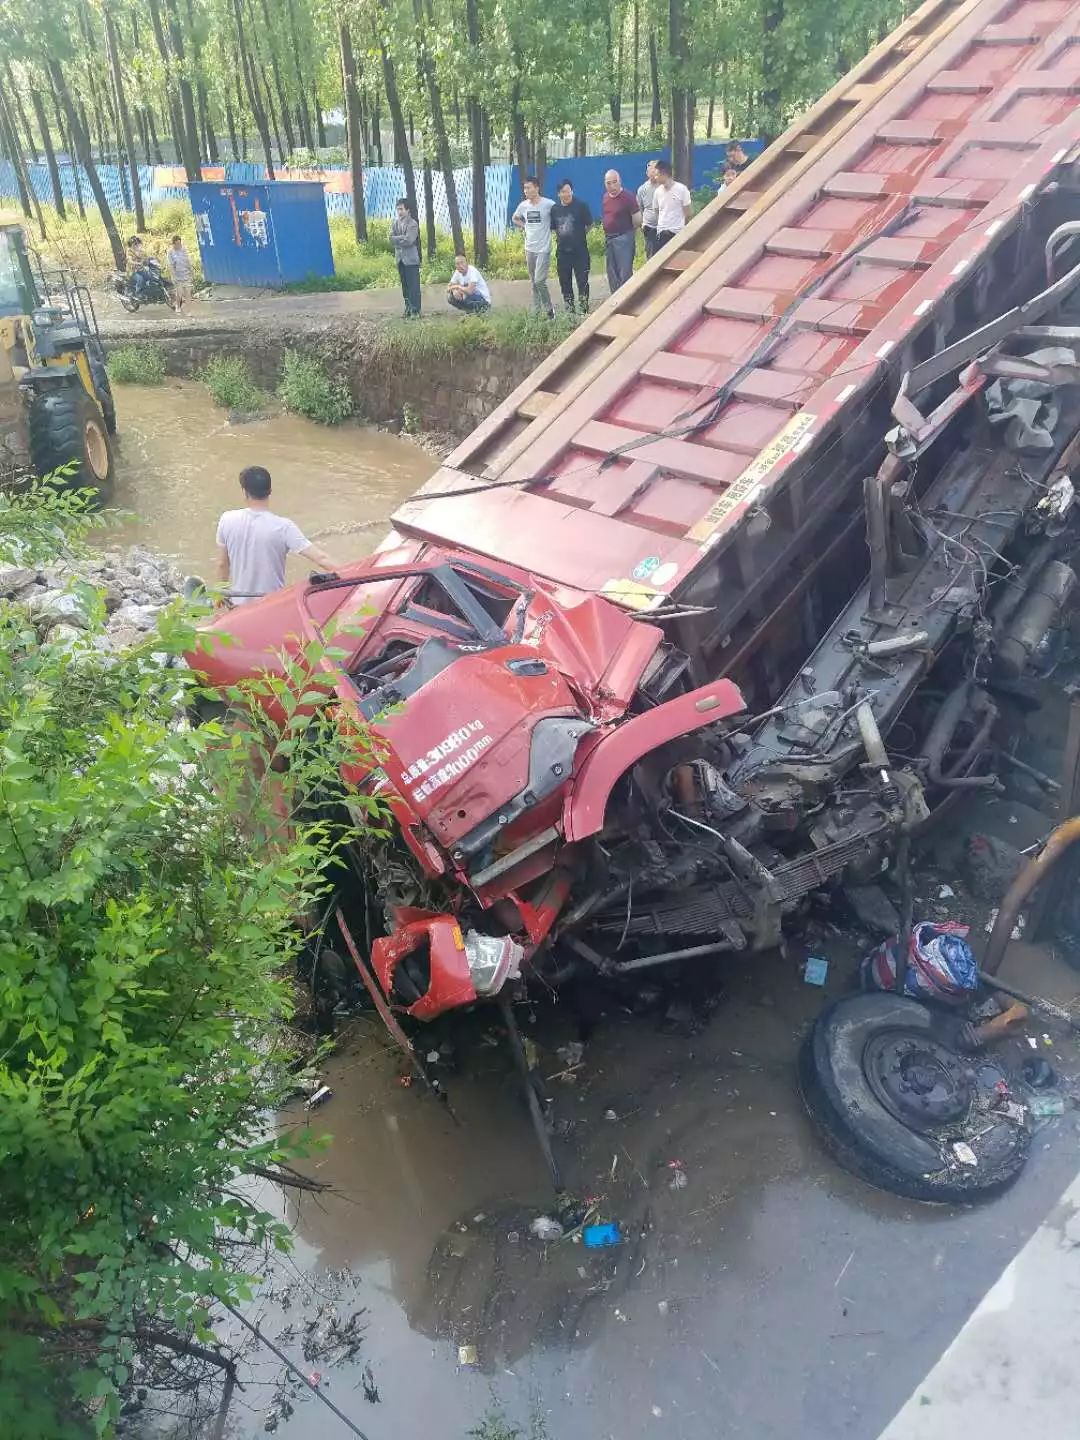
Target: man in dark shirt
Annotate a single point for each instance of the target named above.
(571, 220)
(621, 216)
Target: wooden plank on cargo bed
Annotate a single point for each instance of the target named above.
(534, 404)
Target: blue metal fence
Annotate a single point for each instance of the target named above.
(383, 185)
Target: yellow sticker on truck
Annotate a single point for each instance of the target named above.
(742, 487)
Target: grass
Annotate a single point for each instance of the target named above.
(410, 344)
(136, 365)
(229, 380)
(307, 389)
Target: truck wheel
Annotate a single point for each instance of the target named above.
(898, 1103)
(102, 387)
(67, 428)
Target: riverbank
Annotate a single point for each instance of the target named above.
(441, 375)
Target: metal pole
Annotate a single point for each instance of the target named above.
(536, 1115)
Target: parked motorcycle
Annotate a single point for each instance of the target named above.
(155, 288)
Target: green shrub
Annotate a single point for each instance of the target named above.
(229, 380)
(308, 390)
(136, 365)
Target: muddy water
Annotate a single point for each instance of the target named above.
(178, 458)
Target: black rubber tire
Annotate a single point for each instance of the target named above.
(129, 302)
(864, 1137)
(62, 420)
(102, 385)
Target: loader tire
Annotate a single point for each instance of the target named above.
(68, 429)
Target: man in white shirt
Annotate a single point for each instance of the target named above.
(254, 543)
(467, 289)
(533, 217)
(646, 198)
(672, 204)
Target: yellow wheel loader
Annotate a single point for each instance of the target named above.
(56, 406)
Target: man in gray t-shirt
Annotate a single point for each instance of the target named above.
(646, 198)
(533, 216)
(254, 543)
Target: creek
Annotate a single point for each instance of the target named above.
(178, 458)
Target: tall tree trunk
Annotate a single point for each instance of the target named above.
(144, 133)
(677, 52)
(50, 154)
(19, 113)
(614, 62)
(261, 83)
(10, 143)
(429, 209)
(187, 95)
(637, 65)
(770, 121)
(376, 126)
(320, 128)
(402, 154)
(352, 127)
(172, 104)
(476, 137)
(279, 85)
(81, 143)
(254, 99)
(302, 117)
(654, 79)
(159, 158)
(712, 97)
(230, 125)
(206, 127)
(68, 147)
(519, 140)
(112, 45)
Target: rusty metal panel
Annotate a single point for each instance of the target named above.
(681, 404)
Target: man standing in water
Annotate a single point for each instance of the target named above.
(254, 543)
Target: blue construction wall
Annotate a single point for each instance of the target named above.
(383, 185)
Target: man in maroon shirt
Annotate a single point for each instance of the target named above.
(621, 215)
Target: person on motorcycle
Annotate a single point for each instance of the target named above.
(137, 263)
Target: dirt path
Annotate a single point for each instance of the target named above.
(240, 308)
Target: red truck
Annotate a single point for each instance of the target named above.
(636, 652)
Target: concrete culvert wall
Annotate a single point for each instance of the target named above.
(447, 395)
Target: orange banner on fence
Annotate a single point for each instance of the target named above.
(177, 175)
(335, 182)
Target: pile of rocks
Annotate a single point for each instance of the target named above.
(136, 586)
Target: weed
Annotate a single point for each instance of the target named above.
(410, 419)
(229, 380)
(308, 390)
(136, 365)
(416, 343)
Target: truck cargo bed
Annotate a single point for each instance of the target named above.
(737, 372)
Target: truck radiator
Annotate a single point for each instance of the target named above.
(799, 877)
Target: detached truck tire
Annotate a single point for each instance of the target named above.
(67, 428)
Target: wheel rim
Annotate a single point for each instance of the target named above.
(97, 450)
(922, 1083)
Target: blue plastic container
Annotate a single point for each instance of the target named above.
(272, 233)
